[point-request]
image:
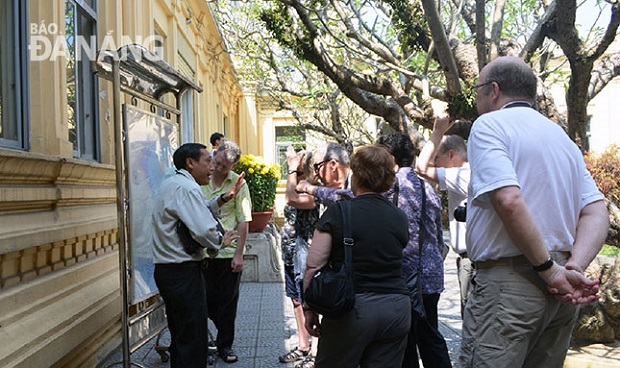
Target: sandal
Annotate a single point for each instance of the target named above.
(293, 355)
(306, 363)
(227, 355)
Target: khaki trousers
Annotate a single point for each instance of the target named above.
(511, 320)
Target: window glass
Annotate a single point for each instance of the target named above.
(70, 33)
(2, 130)
(286, 136)
(187, 102)
(81, 83)
(12, 75)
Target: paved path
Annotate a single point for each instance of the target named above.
(266, 329)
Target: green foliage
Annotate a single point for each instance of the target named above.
(605, 169)
(261, 178)
(609, 250)
(463, 105)
(278, 22)
(409, 22)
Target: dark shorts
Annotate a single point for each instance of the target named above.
(293, 288)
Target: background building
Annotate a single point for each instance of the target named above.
(59, 278)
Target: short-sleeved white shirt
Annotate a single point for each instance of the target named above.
(455, 180)
(518, 146)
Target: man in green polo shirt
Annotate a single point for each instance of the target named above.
(223, 272)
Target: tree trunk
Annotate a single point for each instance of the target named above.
(577, 103)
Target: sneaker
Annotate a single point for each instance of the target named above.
(293, 355)
(306, 363)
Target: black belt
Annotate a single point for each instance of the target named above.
(186, 264)
(463, 255)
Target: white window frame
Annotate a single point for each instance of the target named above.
(187, 102)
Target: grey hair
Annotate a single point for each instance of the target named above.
(230, 150)
(453, 142)
(333, 151)
(514, 77)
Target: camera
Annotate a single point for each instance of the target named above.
(460, 213)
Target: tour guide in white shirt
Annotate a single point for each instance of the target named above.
(535, 220)
(178, 275)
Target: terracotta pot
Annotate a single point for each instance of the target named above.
(260, 221)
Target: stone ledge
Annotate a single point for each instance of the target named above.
(17, 231)
(262, 260)
(27, 167)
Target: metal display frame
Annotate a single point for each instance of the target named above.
(144, 76)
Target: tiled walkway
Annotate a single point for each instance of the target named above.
(265, 329)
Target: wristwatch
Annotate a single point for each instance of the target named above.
(225, 198)
(295, 172)
(545, 266)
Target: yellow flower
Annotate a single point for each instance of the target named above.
(262, 180)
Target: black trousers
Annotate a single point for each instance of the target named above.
(183, 289)
(425, 337)
(222, 299)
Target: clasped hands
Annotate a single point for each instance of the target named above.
(569, 285)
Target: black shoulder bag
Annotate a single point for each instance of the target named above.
(190, 246)
(414, 281)
(331, 292)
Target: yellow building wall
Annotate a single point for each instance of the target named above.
(59, 279)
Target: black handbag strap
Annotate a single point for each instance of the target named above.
(347, 240)
(396, 192)
(421, 224)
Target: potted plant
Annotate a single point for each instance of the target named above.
(262, 180)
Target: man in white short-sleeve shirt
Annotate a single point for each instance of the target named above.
(535, 220)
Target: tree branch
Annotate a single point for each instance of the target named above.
(538, 35)
(610, 32)
(606, 69)
(496, 28)
(481, 40)
(444, 54)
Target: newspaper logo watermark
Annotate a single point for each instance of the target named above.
(49, 42)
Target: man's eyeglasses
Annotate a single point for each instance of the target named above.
(475, 87)
(318, 165)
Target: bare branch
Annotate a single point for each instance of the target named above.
(538, 35)
(446, 59)
(496, 28)
(481, 40)
(610, 32)
(606, 69)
